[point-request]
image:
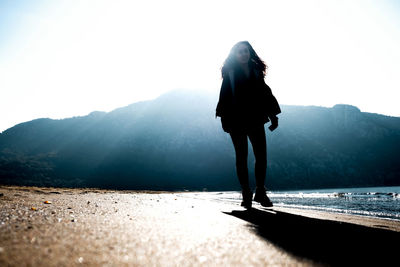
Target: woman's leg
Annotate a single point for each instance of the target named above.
(239, 140)
(259, 144)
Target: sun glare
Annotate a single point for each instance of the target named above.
(68, 58)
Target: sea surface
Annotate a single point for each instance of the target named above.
(381, 202)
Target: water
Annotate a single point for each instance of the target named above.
(381, 202)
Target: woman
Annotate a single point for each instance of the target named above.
(245, 104)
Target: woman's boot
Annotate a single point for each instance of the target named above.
(262, 198)
(247, 196)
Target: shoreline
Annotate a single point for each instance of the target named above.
(311, 209)
(286, 201)
(365, 220)
(305, 210)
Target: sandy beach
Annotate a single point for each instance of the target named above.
(93, 227)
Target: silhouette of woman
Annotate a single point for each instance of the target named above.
(245, 104)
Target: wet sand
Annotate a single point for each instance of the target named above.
(94, 227)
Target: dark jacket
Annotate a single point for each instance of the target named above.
(245, 102)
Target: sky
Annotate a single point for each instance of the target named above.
(68, 58)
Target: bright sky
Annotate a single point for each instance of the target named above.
(67, 58)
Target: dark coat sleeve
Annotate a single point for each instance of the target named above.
(272, 105)
(225, 96)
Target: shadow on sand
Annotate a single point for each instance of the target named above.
(324, 241)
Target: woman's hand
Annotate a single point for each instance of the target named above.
(274, 123)
(226, 122)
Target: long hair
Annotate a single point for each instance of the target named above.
(255, 61)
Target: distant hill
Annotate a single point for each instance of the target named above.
(174, 142)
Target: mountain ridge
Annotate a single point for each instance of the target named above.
(175, 142)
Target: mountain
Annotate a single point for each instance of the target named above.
(174, 142)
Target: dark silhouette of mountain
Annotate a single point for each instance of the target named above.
(174, 142)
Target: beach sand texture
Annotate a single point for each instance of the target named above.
(93, 227)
